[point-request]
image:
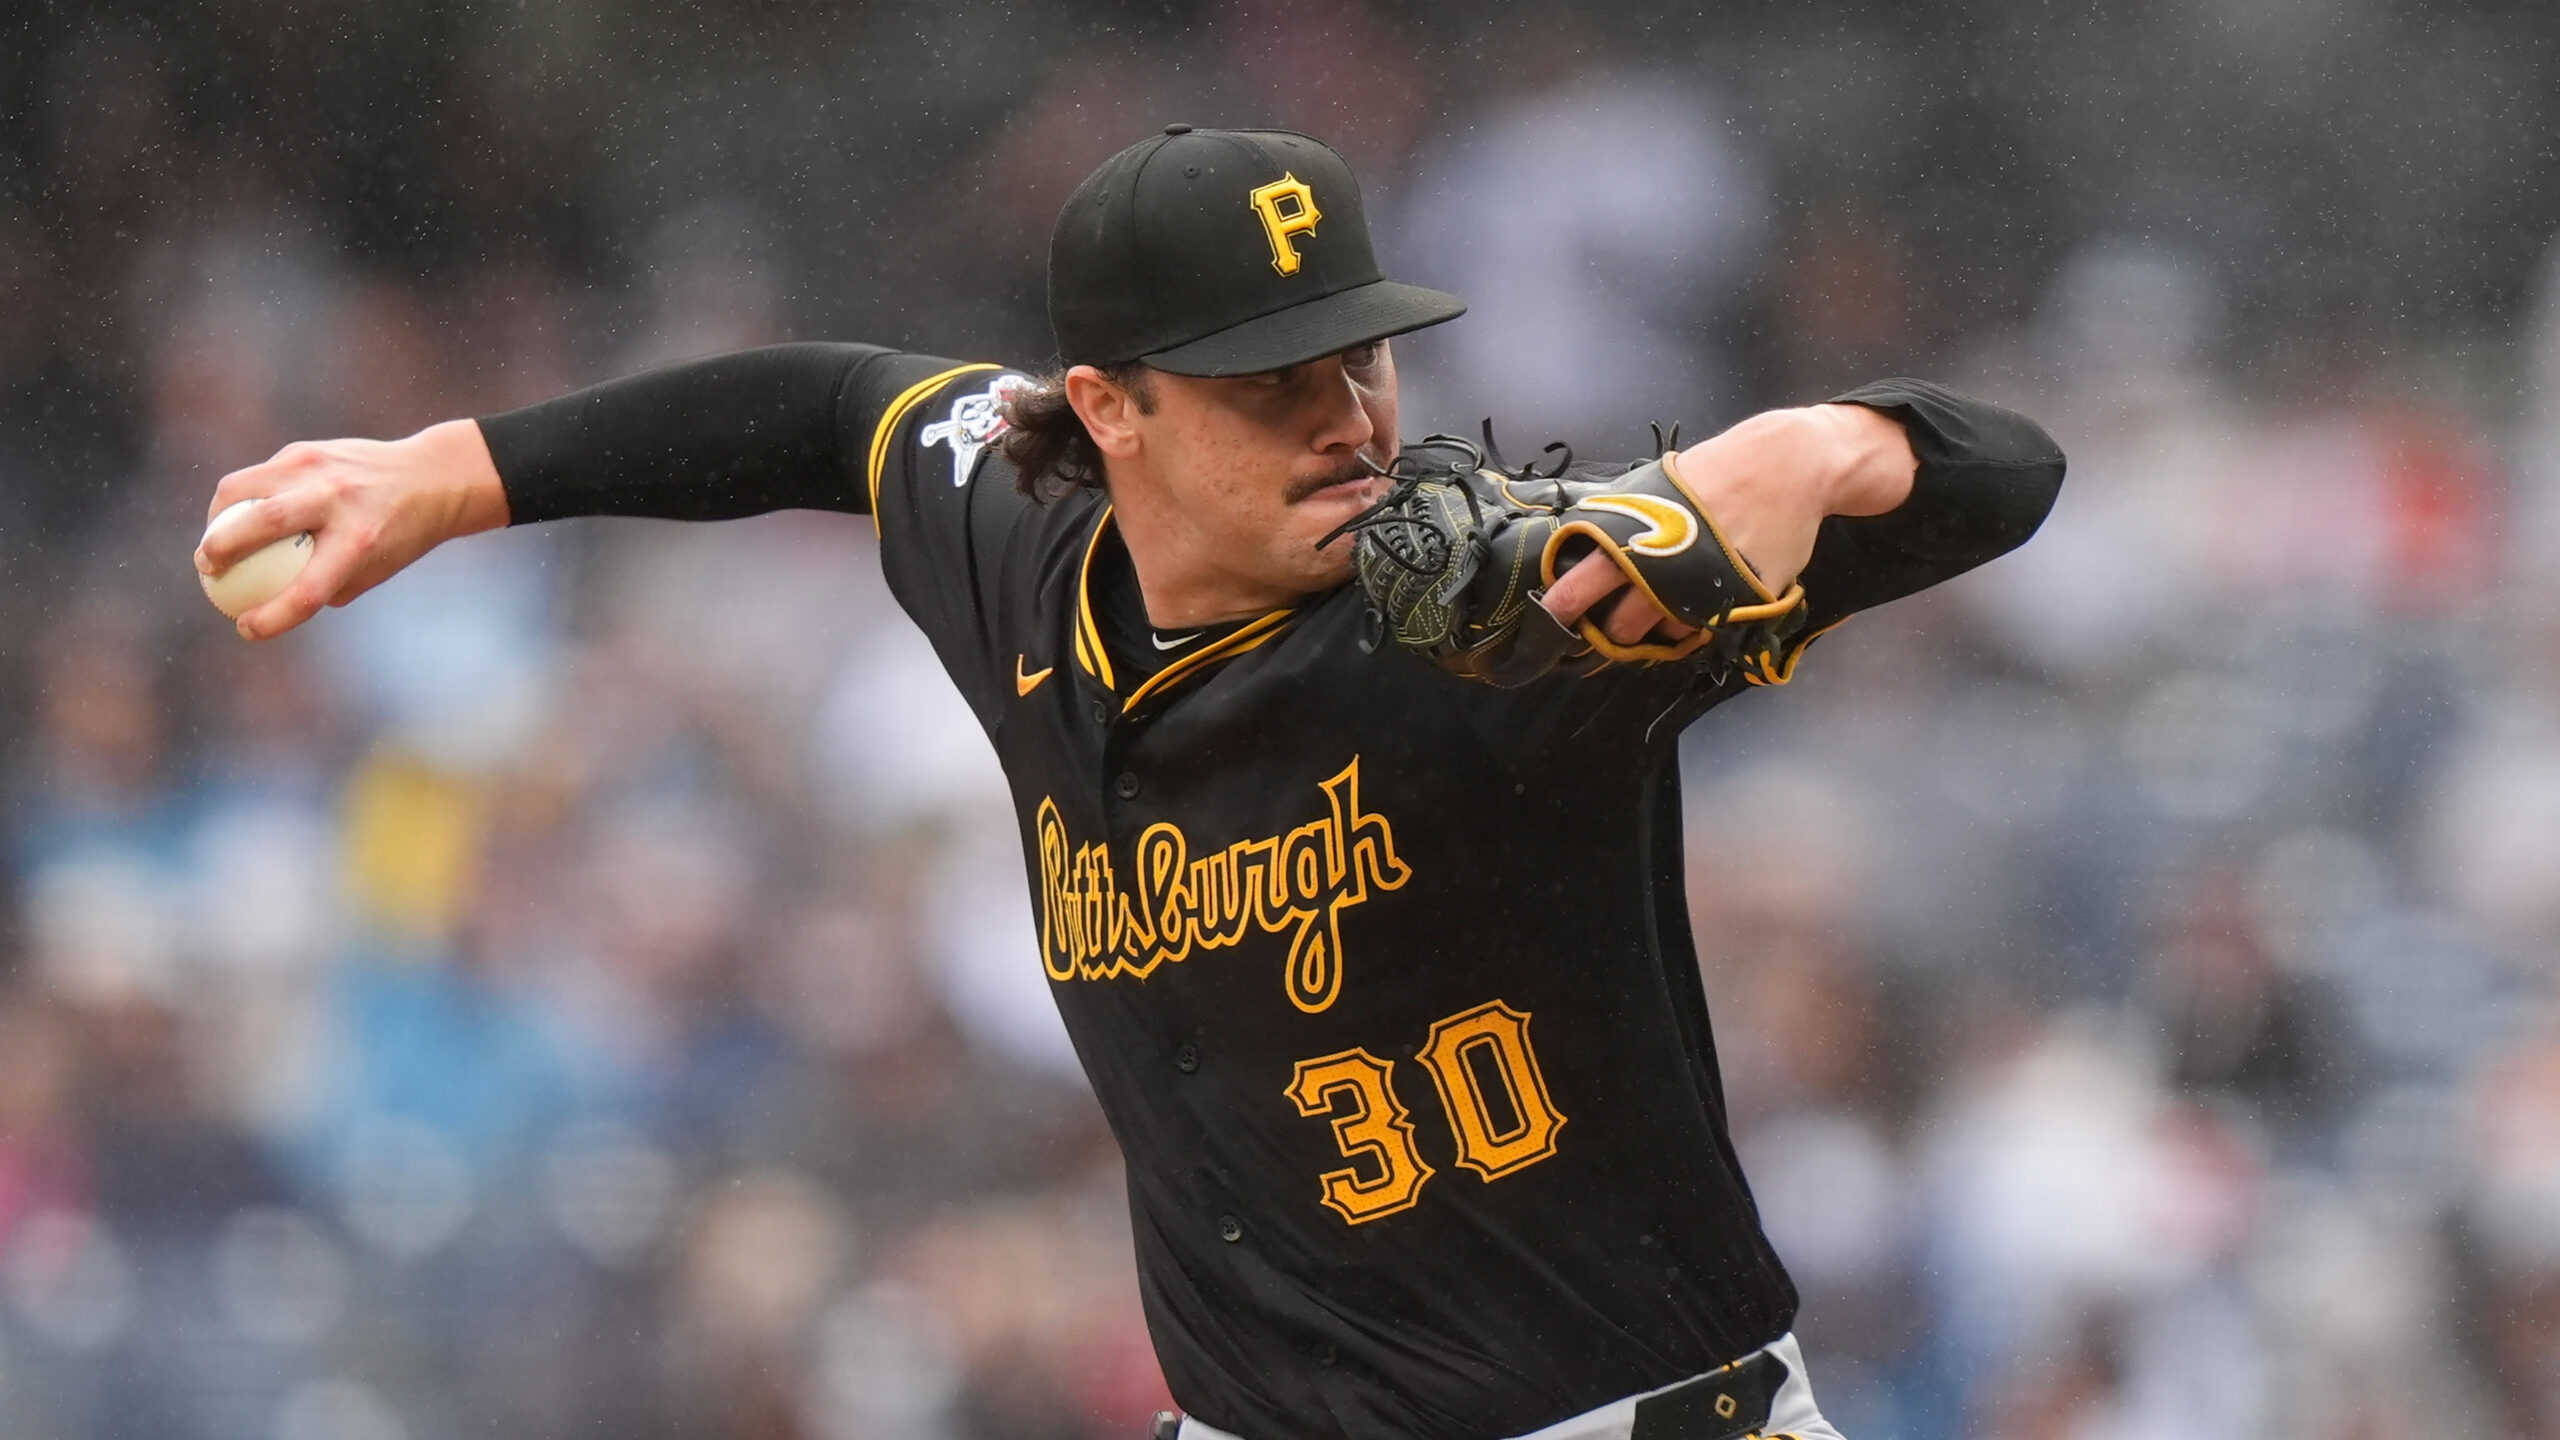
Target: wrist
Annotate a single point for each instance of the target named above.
(477, 498)
(1872, 465)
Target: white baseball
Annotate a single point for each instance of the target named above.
(259, 576)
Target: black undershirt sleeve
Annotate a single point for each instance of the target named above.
(1987, 478)
(711, 439)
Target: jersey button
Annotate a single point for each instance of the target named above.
(1101, 712)
(1230, 1229)
(1325, 1354)
(1186, 1059)
(1126, 787)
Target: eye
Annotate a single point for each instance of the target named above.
(1365, 357)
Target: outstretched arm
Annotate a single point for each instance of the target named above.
(706, 440)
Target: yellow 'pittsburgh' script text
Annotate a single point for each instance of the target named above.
(1299, 884)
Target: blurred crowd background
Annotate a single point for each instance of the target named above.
(587, 986)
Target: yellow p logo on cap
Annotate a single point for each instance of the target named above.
(1281, 225)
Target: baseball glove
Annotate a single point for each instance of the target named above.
(1454, 558)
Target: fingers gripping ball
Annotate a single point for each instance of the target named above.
(1454, 558)
(259, 576)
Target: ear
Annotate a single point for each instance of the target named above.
(1109, 412)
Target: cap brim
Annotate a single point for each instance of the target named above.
(1302, 332)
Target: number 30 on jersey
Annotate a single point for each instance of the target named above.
(1487, 1076)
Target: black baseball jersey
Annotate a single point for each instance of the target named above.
(1383, 978)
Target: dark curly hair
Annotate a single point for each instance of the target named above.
(1053, 455)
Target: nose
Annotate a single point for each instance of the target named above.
(1342, 421)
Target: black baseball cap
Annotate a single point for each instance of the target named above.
(1223, 252)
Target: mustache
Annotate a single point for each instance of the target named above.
(1359, 466)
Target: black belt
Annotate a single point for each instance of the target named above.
(1728, 1404)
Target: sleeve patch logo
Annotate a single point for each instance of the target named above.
(1284, 225)
(974, 423)
(1094, 925)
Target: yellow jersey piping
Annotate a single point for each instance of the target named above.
(1248, 638)
(1089, 651)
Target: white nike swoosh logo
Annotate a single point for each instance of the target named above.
(1175, 643)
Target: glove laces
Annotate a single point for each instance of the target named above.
(1417, 546)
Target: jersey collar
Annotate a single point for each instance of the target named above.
(1090, 654)
(1094, 658)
